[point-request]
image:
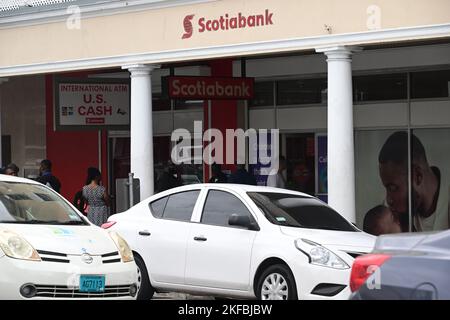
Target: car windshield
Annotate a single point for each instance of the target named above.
(27, 203)
(297, 211)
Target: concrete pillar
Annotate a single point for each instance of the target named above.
(341, 159)
(141, 127)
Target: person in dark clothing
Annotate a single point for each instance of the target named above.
(46, 177)
(80, 202)
(12, 169)
(217, 175)
(242, 176)
(168, 179)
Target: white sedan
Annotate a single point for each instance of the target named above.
(241, 241)
(48, 250)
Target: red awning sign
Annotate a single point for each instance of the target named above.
(210, 88)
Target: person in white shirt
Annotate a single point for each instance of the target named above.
(277, 180)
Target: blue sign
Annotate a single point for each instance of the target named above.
(258, 167)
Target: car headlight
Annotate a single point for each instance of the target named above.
(320, 255)
(122, 245)
(15, 246)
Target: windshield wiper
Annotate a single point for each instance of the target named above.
(329, 228)
(73, 223)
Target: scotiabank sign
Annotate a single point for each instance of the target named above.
(210, 88)
(225, 22)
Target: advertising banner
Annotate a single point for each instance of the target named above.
(92, 104)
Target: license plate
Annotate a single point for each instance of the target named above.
(92, 283)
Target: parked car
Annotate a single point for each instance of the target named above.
(48, 250)
(413, 266)
(241, 241)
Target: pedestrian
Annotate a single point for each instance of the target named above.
(12, 169)
(242, 176)
(217, 175)
(168, 179)
(96, 197)
(80, 202)
(46, 176)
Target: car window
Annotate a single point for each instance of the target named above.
(27, 203)
(219, 206)
(298, 211)
(157, 207)
(179, 206)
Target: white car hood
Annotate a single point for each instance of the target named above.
(72, 240)
(348, 241)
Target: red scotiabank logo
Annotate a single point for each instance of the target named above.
(227, 22)
(187, 24)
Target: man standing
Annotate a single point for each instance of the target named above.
(169, 179)
(46, 177)
(430, 191)
(217, 175)
(242, 176)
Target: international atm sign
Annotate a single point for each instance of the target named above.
(90, 104)
(210, 88)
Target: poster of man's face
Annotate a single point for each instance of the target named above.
(400, 153)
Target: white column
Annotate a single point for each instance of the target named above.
(341, 160)
(141, 127)
(2, 80)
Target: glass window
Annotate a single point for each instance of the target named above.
(380, 87)
(304, 91)
(157, 207)
(34, 204)
(188, 104)
(264, 94)
(297, 211)
(159, 102)
(189, 170)
(219, 206)
(430, 172)
(179, 206)
(430, 84)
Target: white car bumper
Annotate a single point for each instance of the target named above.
(55, 280)
(321, 283)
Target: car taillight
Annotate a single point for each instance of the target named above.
(363, 267)
(108, 224)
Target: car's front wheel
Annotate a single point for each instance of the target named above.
(277, 283)
(145, 290)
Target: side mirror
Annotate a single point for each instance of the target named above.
(242, 221)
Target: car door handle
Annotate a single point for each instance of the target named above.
(144, 233)
(200, 239)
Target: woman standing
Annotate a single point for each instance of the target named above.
(97, 198)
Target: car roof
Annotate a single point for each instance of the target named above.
(236, 187)
(8, 178)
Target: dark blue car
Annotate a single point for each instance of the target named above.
(413, 266)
